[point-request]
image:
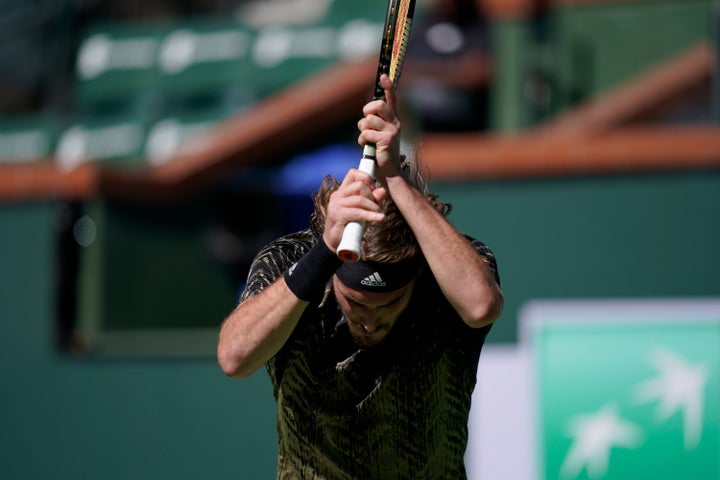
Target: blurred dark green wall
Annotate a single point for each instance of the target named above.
(65, 417)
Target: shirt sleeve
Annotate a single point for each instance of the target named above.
(488, 257)
(272, 261)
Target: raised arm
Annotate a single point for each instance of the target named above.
(461, 272)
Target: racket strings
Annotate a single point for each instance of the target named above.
(399, 49)
(395, 42)
(401, 38)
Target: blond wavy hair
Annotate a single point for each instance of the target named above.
(391, 240)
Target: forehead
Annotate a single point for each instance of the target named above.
(370, 298)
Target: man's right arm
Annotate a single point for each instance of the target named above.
(278, 291)
(258, 328)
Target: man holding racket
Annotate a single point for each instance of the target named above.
(373, 363)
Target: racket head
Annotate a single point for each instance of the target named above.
(396, 34)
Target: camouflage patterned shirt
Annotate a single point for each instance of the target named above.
(398, 410)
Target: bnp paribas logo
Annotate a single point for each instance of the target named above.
(621, 399)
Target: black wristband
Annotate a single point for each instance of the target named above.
(307, 277)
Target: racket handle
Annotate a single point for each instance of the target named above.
(349, 248)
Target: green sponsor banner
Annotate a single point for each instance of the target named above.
(627, 390)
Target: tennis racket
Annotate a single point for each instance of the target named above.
(396, 34)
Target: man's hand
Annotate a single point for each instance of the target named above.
(381, 127)
(356, 200)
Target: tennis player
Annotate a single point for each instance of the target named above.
(373, 363)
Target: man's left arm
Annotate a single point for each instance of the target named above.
(464, 276)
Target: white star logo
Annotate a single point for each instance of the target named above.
(679, 387)
(593, 436)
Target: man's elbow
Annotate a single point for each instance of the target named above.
(485, 312)
(234, 365)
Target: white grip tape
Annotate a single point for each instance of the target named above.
(367, 165)
(349, 248)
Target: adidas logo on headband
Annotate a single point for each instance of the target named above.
(374, 280)
(378, 277)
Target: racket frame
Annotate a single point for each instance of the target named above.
(349, 248)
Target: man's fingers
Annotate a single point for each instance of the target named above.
(387, 85)
(355, 175)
